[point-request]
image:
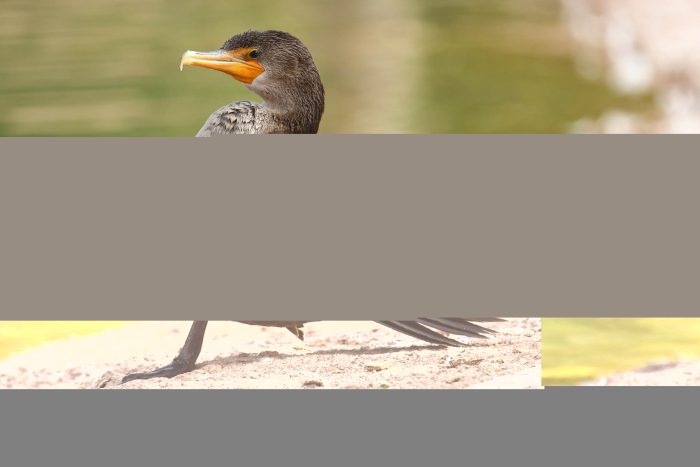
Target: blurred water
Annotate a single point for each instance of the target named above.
(643, 46)
(110, 67)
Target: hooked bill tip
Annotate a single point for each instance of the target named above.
(182, 59)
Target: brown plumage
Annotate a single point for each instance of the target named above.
(420, 328)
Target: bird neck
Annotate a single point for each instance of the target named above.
(297, 109)
(302, 117)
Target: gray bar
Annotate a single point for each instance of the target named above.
(556, 427)
(349, 227)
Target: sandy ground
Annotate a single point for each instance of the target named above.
(335, 354)
(684, 373)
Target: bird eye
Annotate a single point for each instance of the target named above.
(253, 54)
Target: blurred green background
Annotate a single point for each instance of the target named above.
(579, 349)
(110, 67)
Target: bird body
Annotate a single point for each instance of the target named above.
(278, 67)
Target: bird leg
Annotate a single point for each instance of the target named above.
(296, 330)
(184, 361)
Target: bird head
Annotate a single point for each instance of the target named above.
(274, 64)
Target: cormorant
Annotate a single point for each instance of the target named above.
(420, 328)
(276, 66)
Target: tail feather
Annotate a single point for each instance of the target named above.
(421, 329)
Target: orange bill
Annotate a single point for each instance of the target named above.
(236, 63)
